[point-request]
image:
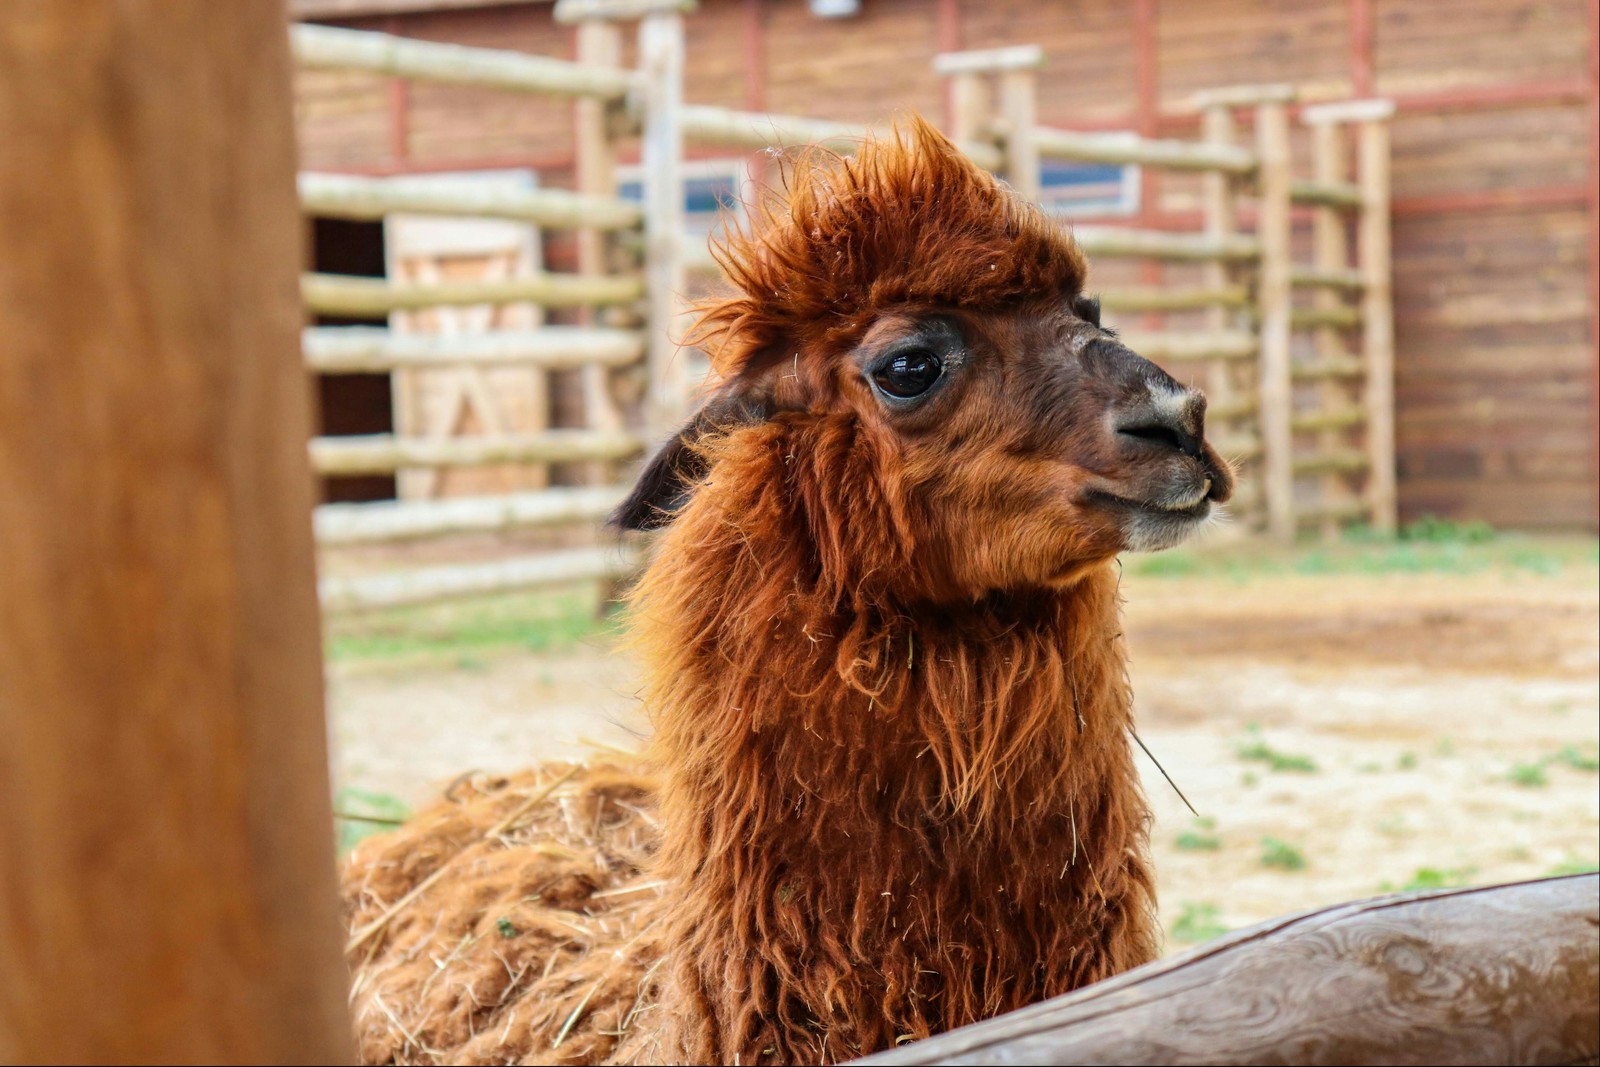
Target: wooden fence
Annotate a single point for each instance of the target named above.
(1308, 418)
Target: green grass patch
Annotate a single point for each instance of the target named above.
(1281, 856)
(1529, 775)
(1573, 865)
(1406, 762)
(1256, 750)
(461, 634)
(1579, 760)
(1197, 923)
(358, 814)
(1427, 546)
(1200, 838)
(1425, 878)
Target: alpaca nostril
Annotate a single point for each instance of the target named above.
(1164, 435)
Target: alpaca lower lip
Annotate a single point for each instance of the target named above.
(1200, 496)
(1197, 506)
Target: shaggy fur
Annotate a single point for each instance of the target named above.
(884, 666)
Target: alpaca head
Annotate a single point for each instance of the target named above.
(918, 339)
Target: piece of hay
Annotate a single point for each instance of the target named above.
(512, 922)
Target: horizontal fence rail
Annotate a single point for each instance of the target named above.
(424, 585)
(703, 124)
(1173, 299)
(382, 453)
(339, 294)
(1326, 194)
(1175, 347)
(1125, 149)
(330, 48)
(370, 349)
(1351, 281)
(351, 524)
(757, 129)
(347, 196)
(1160, 244)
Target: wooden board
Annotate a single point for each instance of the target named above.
(1497, 975)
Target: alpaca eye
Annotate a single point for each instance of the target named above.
(908, 374)
(1087, 308)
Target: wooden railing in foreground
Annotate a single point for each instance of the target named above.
(1497, 975)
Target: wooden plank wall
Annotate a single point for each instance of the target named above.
(1493, 162)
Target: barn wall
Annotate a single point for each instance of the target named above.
(1493, 165)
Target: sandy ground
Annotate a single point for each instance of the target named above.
(1341, 735)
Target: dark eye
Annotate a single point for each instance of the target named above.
(1087, 308)
(908, 374)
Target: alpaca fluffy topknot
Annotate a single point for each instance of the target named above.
(909, 221)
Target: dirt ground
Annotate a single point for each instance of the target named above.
(1343, 730)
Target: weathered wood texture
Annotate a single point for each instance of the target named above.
(1498, 975)
(344, 196)
(333, 294)
(1273, 295)
(424, 585)
(327, 48)
(394, 520)
(368, 349)
(168, 892)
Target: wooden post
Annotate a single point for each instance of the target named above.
(661, 157)
(1018, 110)
(972, 101)
(1219, 192)
(1330, 251)
(1274, 296)
(165, 831)
(600, 43)
(970, 106)
(1377, 311)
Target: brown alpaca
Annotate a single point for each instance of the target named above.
(882, 641)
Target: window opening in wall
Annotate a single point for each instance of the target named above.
(1081, 189)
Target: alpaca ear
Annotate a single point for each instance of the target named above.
(668, 478)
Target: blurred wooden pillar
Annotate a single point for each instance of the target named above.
(1274, 298)
(167, 887)
(599, 42)
(661, 149)
(1373, 245)
(1002, 82)
(1330, 252)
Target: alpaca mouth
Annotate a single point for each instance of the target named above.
(1195, 504)
(1201, 496)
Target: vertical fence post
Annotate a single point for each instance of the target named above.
(970, 106)
(1330, 251)
(661, 156)
(1377, 310)
(1274, 298)
(1219, 193)
(599, 43)
(165, 828)
(1018, 109)
(973, 103)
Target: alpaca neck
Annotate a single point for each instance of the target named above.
(881, 821)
